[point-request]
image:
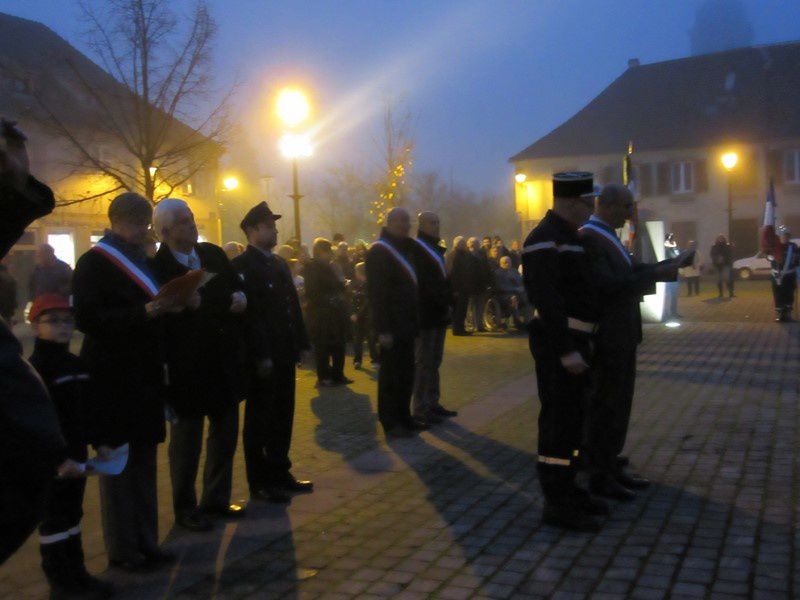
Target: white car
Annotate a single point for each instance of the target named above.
(754, 266)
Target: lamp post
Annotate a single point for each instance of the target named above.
(293, 109)
(294, 146)
(729, 161)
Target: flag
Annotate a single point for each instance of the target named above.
(630, 181)
(770, 244)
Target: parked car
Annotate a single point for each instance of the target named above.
(755, 266)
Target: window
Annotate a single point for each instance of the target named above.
(187, 188)
(682, 177)
(791, 166)
(64, 247)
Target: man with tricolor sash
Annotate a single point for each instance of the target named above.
(392, 287)
(117, 310)
(620, 282)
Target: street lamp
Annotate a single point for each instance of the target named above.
(520, 177)
(230, 183)
(294, 146)
(293, 108)
(729, 161)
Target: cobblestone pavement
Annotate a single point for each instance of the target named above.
(456, 513)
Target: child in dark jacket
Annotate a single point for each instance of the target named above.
(68, 383)
(362, 320)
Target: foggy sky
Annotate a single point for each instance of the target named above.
(482, 79)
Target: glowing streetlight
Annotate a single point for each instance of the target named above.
(520, 177)
(152, 171)
(292, 106)
(729, 161)
(230, 183)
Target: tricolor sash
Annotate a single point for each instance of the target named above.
(611, 238)
(437, 258)
(127, 266)
(787, 262)
(409, 269)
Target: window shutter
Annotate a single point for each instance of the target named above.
(644, 180)
(775, 166)
(663, 179)
(700, 176)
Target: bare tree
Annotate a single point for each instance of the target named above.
(397, 152)
(148, 109)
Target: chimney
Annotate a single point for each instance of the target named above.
(633, 62)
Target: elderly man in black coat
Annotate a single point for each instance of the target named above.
(116, 308)
(327, 312)
(393, 293)
(276, 339)
(463, 277)
(203, 357)
(31, 445)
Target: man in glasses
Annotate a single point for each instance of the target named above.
(620, 281)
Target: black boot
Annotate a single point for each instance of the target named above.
(57, 567)
(96, 588)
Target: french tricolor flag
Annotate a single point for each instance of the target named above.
(770, 244)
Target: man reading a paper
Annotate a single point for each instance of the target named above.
(115, 302)
(202, 349)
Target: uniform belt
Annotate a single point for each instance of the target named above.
(574, 324)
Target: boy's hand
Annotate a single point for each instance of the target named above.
(70, 469)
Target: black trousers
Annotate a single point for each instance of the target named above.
(129, 506)
(460, 312)
(185, 445)
(330, 360)
(21, 505)
(396, 384)
(783, 292)
(693, 286)
(63, 506)
(60, 533)
(363, 332)
(608, 417)
(563, 399)
(268, 420)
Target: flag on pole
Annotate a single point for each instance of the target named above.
(630, 181)
(770, 244)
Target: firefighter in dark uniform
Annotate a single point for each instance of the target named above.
(276, 339)
(784, 275)
(560, 287)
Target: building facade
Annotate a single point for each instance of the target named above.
(682, 116)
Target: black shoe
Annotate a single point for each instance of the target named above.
(462, 333)
(273, 495)
(296, 485)
(569, 517)
(623, 461)
(608, 487)
(443, 412)
(418, 424)
(137, 564)
(482, 330)
(399, 432)
(591, 505)
(343, 381)
(633, 481)
(194, 520)
(231, 511)
(160, 558)
(323, 383)
(94, 587)
(433, 419)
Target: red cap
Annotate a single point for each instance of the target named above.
(45, 302)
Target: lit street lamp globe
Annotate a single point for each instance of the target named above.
(295, 145)
(292, 106)
(230, 184)
(729, 160)
(520, 177)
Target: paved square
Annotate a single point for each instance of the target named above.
(456, 513)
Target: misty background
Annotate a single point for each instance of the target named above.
(474, 83)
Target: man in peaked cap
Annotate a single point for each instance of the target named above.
(275, 337)
(560, 287)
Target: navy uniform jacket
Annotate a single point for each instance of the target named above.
(273, 323)
(558, 281)
(788, 264)
(620, 282)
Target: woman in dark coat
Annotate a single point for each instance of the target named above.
(462, 276)
(327, 315)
